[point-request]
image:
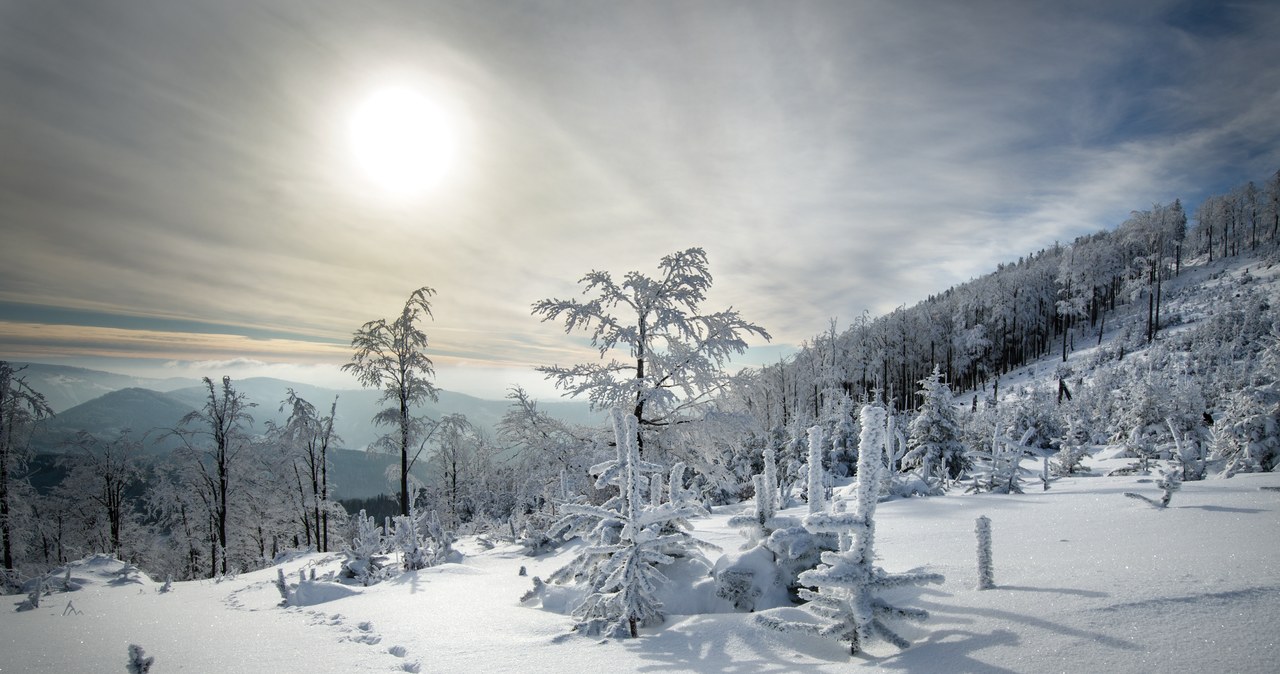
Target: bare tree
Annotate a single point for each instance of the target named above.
(213, 438)
(392, 356)
(308, 435)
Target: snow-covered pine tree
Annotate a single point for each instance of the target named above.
(421, 539)
(619, 563)
(676, 492)
(1188, 453)
(934, 433)
(1073, 446)
(138, 662)
(848, 580)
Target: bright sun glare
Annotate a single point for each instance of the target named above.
(403, 142)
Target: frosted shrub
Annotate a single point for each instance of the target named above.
(778, 548)
(619, 563)
(847, 581)
(138, 662)
(1170, 482)
(366, 561)
(33, 598)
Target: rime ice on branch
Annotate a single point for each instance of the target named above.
(848, 580)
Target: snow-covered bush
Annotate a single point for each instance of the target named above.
(619, 563)
(778, 548)
(847, 581)
(421, 540)
(1247, 433)
(138, 662)
(1170, 482)
(33, 598)
(1073, 445)
(366, 559)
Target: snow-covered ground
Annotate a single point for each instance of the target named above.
(1087, 581)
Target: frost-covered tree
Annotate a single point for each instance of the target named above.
(391, 355)
(778, 548)
(1073, 445)
(934, 433)
(553, 456)
(21, 407)
(308, 436)
(673, 353)
(214, 438)
(453, 461)
(1247, 433)
(102, 473)
(631, 539)
(757, 522)
(848, 580)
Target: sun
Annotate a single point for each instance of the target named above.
(402, 141)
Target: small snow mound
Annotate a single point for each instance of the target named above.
(451, 568)
(310, 593)
(398, 651)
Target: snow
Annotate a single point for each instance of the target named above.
(1086, 580)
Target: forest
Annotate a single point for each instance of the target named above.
(1142, 338)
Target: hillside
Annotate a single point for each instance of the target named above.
(1086, 581)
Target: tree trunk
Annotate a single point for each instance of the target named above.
(404, 453)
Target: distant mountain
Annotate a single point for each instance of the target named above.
(112, 402)
(143, 411)
(65, 387)
(149, 413)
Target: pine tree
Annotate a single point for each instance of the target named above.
(934, 433)
(628, 543)
(848, 580)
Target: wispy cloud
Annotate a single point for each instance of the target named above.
(183, 161)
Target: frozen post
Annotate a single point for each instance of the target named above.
(817, 490)
(986, 580)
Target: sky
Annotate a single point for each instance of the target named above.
(179, 194)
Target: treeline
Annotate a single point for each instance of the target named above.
(1050, 301)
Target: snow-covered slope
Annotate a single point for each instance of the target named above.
(1087, 581)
